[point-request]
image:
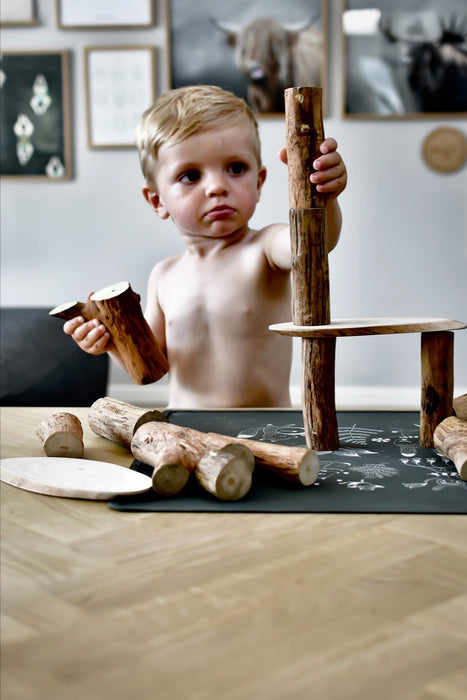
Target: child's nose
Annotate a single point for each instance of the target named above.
(216, 184)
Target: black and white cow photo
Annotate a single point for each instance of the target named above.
(253, 48)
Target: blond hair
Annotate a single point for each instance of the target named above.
(186, 111)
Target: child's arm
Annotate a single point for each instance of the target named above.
(330, 177)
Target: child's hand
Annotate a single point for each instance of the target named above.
(91, 336)
(331, 174)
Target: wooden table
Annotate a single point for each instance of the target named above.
(99, 604)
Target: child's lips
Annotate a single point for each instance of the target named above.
(221, 212)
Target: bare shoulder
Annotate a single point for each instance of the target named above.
(161, 269)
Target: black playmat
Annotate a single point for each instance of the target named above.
(379, 468)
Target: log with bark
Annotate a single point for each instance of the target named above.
(118, 421)
(61, 435)
(118, 308)
(310, 270)
(153, 443)
(450, 439)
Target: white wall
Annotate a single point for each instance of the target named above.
(403, 249)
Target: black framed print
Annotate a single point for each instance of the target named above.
(254, 48)
(404, 58)
(35, 125)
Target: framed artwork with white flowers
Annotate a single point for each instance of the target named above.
(35, 129)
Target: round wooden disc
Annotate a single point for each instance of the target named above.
(72, 478)
(445, 149)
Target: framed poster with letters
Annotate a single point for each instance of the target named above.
(120, 85)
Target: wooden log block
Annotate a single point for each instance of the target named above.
(118, 421)
(118, 308)
(450, 438)
(61, 435)
(437, 364)
(310, 270)
(153, 441)
(224, 474)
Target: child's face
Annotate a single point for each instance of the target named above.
(209, 183)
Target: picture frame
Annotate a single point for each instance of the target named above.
(18, 13)
(120, 84)
(403, 62)
(35, 115)
(105, 14)
(202, 39)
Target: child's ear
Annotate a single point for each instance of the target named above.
(261, 178)
(154, 201)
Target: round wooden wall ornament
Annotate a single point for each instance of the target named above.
(445, 149)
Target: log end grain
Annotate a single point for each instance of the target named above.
(309, 468)
(224, 475)
(169, 479)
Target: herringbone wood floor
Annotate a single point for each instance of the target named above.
(102, 604)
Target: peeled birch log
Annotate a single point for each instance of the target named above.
(152, 442)
(61, 435)
(450, 438)
(118, 421)
(224, 474)
(118, 308)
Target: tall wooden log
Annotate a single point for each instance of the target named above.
(118, 421)
(61, 435)
(437, 365)
(152, 442)
(310, 271)
(118, 308)
(450, 438)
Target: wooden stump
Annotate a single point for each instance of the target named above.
(61, 435)
(119, 309)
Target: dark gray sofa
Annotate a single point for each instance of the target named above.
(41, 366)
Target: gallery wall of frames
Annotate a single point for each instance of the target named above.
(387, 49)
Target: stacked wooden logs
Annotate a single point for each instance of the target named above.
(222, 465)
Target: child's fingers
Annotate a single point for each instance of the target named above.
(69, 327)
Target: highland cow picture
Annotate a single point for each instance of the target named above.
(255, 48)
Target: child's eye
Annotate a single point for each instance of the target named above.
(190, 176)
(237, 168)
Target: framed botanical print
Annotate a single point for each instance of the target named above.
(35, 115)
(254, 48)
